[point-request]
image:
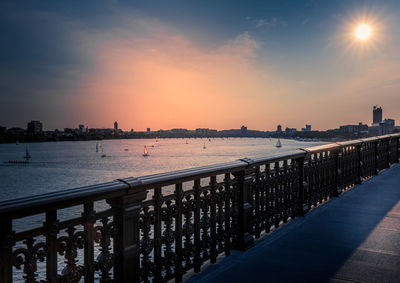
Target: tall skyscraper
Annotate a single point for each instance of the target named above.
(115, 125)
(377, 115)
(279, 129)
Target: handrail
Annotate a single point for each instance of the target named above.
(158, 234)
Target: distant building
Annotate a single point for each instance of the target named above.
(279, 129)
(15, 131)
(35, 127)
(289, 131)
(308, 128)
(148, 130)
(377, 115)
(243, 130)
(352, 129)
(81, 128)
(115, 125)
(386, 127)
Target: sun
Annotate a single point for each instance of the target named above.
(363, 31)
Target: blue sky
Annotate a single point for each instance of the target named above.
(286, 62)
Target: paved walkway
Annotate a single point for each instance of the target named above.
(353, 238)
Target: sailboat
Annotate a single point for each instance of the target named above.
(27, 155)
(187, 142)
(145, 151)
(126, 148)
(278, 143)
(97, 147)
(204, 146)
(102, 153)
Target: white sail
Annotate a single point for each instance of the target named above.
(278, 143)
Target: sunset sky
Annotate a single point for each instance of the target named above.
(190, 64)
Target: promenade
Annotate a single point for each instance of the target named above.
(353, 238)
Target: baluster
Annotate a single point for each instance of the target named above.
(359, 164)
(51, 228)
(178, 232)
(376, 159)
(197, 244)
(126, 240)
(158, 202)
(387, 165)
(285, 192)
(213, 222)
(6, 242)
(338, 172)
(300, 193)
(228, 197)
(268, 200)
(243, 181)
(277, 195)
(397, 149)
(256, 203)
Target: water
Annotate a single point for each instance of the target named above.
(60, 165)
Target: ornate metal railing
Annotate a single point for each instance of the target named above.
(157, 227)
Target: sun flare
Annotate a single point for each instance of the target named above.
(363, 31)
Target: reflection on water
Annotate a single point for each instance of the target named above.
(59, 165)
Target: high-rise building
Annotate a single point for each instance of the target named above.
(35, 127)
(148, 130)
(81, 128)
(308, 128)
(279, 129)
(115, 125)
(243, 130)
(377, 115)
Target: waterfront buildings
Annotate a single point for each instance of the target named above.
(116, 126)
(35, 127)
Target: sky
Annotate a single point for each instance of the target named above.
(198, 64)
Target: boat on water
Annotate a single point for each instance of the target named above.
(204, 146)
(97, 147)
(145, 151)
(126, 148)
(102, 153)
(187, 142)
(26, 157)
(278, 143)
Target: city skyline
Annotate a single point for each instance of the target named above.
(151, 65)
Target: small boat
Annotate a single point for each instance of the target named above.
(126, 148)
(102, 153)
(187, 142)
(209, 140)
(204, 146)
(278, 143)
(27, 155)
(97, 147)
(145, 151)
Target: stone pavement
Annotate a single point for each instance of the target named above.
(353, 238)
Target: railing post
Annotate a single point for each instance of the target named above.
(6, 242)
(127, 238)
(338, 172)
(397, 149)
(300, 195)
(243, 179)
(376, 166)
(51, 226)
(359, 164)
(387, 163)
